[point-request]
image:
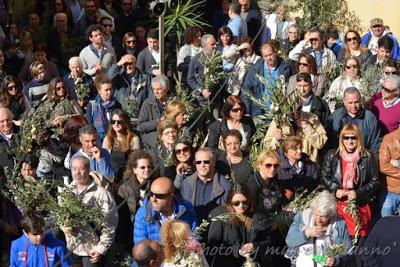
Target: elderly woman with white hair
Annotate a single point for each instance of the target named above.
(314, 231)
(78, 77)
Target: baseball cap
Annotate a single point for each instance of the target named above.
(376, 21)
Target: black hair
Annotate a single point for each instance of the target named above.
(33, 222)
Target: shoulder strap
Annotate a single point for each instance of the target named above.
(93, 106)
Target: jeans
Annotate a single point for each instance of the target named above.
(391, 205)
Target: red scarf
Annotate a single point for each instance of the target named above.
(350, 170)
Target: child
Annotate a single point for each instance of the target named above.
(35, 248)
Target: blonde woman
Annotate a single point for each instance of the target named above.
(180, 246)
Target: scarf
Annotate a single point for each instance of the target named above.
(351, 173)
(100, 120)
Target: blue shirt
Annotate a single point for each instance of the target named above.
(238, 27)
(270, 76)
(22, 249)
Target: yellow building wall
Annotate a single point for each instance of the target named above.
(388, 10)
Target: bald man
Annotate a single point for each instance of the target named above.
(148, 253)
(161, 205)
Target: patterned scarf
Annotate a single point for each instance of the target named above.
(351, 173)
(100, 120)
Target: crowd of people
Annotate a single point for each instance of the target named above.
(199, 182)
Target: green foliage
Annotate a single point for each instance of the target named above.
(189, 100)
(213, 71)
(323, 13)
(352, 210)
(257, 139)
(185, 15)
(82, 89)
(131, 106)
(370, 81)
(72, 212)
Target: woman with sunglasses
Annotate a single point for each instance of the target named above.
(297, 172)
(129, 45)
(167, 132)
(264, 182)
(231, 162)
(183, 158)
(176, 111)
(120, 139)
(350, 77)
(136, 179)
(243, 233)
(353, 48)
(232, 118)
(307, 64)
(351, 173)
(59, 102)
(12, 98)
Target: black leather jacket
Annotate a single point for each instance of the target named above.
(368, 184)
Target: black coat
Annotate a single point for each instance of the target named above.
(219, 128)
(368, 184)
(320, 108)
(225, 239)
(238, 173)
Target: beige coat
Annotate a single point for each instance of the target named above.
(390, 150)
(313, 137)
(81, 241)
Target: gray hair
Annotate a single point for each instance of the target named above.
(293, 26)
(86, 161)
(324, 203)
(207, 150)
(7, 111)
(75, 59)
(87, 129)
(394, 80)
(56, 16)
(161, 80)
(205, 38)
(350, 91)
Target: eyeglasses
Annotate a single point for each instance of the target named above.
(159, 196)
(353, 138)
(355, 38)
(130, 41)
(236, 110)
(107, 25)
(387, 90)
(303, 64)
(10, 88)
(60, 88)
(145, 167)
(270, 165)
(237, 203)
(182, 150)
(390, 72)
(118, 122)
(351, 67)
(198, 162)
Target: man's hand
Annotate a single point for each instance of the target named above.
(330, 261)
(206, 93)
(98, 68)
(96, 153)
(157, 72)
(94, 256)
(246, 249)
(315, 231)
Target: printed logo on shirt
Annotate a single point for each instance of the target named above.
(22, 256)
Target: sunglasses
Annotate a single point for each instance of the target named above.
(182, 150)
(159, 196)
(107, 25)
(118, 122)
(130, 41)
(387, 90)
(10, 88)
(300, 79)
(303, 64)
(352, 39)
(60, 88)
(237, 203)
(145, 167)
(270, 165)
(313, 40)
(390, 72)
(353, 138)
(236, 110)
(351, 67)
(198, 162)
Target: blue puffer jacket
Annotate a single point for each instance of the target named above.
(148, 221)
(395, 50)
(255, 87)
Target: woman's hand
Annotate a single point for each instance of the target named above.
(351, 194)
(340, 193)
(17, 123)
(315, 231)
(246, 249)
(182, 168)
